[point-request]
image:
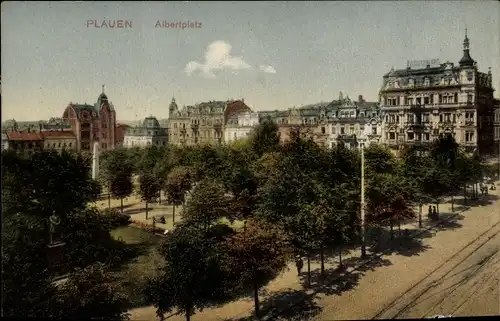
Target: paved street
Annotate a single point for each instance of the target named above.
(465, 285)
(380, 289)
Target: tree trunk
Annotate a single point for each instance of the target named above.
(308, 268)
(340, 257)
(188, 316)
(465, 194)
(256, 299)
(420, 215)
(159, 198)
(173, 215)
(392, 231)
(322, 254)
(452, 203)
(399, 227)
(109, 200)
(121, 204)
(437, 208)
(147, 210)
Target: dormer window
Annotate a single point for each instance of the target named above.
(411, 82)
(427, 82)
(470, 75)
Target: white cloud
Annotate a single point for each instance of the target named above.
(267, 69)
(217, 57)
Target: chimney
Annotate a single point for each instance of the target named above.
(40, 126)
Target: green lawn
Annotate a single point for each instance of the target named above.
(131, 277)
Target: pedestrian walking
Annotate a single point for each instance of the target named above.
(429, 212)
(299, 263)
(434, 212)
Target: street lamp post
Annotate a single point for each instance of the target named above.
(363, 245)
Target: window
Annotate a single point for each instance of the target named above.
(342, 130)
(427, 136)
(323, 130)
(59, 145)
(333, 130)
(362, 129)
(410, 101)
(411, 136)
(469, 136)
(427, 82)
(392, 135)
(425, 118)
(470, 75)
(470, 98)
(411, 118)
(419, 101)
(351, 129)
(374, 130)
(440, 99)
(455, 98)
(440, 118)
(426, 100)
(431, 98)
(411, 82)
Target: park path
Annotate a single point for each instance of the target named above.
(392, 279)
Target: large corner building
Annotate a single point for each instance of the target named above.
(422, 104)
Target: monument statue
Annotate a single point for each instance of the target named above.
(54, 221)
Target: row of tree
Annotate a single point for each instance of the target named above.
(292, 198)
(295, 198)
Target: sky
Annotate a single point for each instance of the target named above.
(275, 55)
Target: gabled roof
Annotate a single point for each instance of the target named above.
(24, 136)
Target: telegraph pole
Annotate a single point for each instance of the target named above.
(363, 245)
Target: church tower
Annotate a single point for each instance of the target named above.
(172, 108)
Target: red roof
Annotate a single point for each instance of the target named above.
(58, 134)
(24, 136)
(120, 132)
(235, 107)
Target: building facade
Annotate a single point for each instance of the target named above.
(120, 132)
(422, 104)
(59, 140)
(24, 141)
(203, 123)
(92, 123)
(149, 134)
(496, 125)
(240, 126)
(328, 123)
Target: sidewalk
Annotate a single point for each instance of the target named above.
(288, 281)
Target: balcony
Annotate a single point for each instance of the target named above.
(195, 126)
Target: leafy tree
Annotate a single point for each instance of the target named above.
(415, 168)
(149, 187)
(117, 172)
(26, 283)
(207, 205)
(87, 294)
(121, 186)
(46, 183)
(265, 138)
(191, 278)
(388, 200)
(254, 256)
(179, 182)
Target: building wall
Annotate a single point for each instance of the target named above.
(421, 105)
(203, 123)
(137, 141)
(60, 143)
(240, 126)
